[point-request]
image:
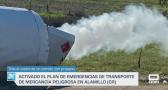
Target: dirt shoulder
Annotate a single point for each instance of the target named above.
(148, 87)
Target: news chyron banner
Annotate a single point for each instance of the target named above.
(68, 76)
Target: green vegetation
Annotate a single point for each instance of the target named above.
(54, 15)
(89, 7)
(151, 61)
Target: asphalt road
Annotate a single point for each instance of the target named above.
(147, 87)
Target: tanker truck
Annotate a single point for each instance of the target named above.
(26, 40)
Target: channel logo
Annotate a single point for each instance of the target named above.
(153, 78)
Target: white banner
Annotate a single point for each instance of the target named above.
(75, 78)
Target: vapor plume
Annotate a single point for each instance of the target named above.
(128, 30)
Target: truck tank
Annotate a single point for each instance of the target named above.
(26, 40)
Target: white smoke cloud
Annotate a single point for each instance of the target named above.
(133, 28)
